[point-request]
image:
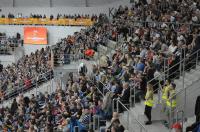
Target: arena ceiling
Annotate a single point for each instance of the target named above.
(54, 3)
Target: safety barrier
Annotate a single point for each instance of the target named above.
(129, 117)
(47, 21)
(61, 59)
(185, 64)
(26, 86)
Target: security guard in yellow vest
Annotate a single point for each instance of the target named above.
(165, 90)
(149, 103)
(165, 93)
(171, 102)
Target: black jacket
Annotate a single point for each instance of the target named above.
(197, 106)
(125, 96)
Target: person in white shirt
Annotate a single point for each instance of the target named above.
(172, 48)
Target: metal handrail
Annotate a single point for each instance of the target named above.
(181, 61)
(22, 89)
(98, 88)
(138, 122)
(169, 68)
(182, 116)
(161, 22)
(179, 92)
(98, 122)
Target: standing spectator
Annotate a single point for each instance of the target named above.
(197, 109)
(14, 107)
(148, 103)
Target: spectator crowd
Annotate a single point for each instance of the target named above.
(8, 44)
(153, 35)
(51, 17)
(23, 75)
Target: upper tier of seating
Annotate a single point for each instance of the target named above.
(9, 44)
(76, 20)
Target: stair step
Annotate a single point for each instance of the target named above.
(189, 122)
(138, 111)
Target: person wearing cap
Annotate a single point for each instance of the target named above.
(148, 103)
(177, 127)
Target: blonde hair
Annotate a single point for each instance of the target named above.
(103, 78)
(149, 87)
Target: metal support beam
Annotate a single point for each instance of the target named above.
(86, 3)
(50, 3)
(13, 3)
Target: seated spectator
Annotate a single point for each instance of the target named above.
(140, 66)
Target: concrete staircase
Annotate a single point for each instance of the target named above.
(189, 122)
(192, 86)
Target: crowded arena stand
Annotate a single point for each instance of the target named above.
(156, 45)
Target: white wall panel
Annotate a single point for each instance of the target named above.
(60, 3)
(26, 11)
(32, 3)
(74, 3)
(6, 3)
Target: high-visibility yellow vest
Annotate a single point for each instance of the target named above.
(149, 99)
(165, 91)
(149, 102)
(171, 102)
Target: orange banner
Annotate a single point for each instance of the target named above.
(35, 35)
(47, 21)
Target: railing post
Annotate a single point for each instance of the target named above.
(134, 95)
(159, 92)
(182, 118)
(130, 98)
(168, 69)
(36, 85)
(164, 68)
(117, 106)
(128, 121)
(113, 105)
(140, 129)
(94, 121)
(103, 89)
(197, 59)
(51, 85)
(76, 128)
(98, 122)
(185, 95)
(181, 62)
(170, 115)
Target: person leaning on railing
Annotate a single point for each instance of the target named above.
(148, 103)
